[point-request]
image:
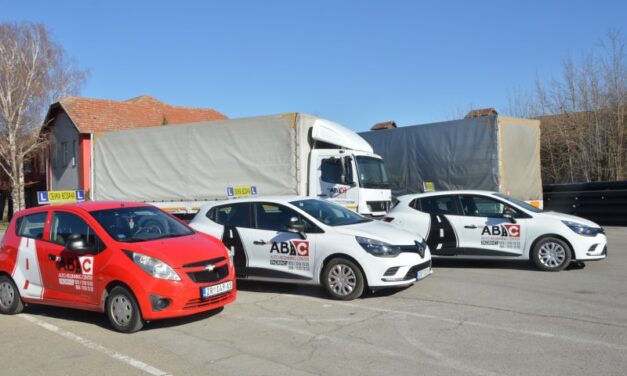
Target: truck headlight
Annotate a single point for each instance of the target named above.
(378, 248)
(155, 267)
(581, 229)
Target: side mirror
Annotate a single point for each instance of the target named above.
(76, 244)
(297, 227)
(347, 176)
(509, 214)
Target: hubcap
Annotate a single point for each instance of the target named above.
(121, 310)
(7, 295)
(552, 254)
(342, 279)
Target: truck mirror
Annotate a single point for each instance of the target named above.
(76, 244)
(347, 177)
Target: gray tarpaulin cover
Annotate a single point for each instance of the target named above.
(487, 153)
(198, 161)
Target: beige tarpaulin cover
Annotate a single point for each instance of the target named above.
(493, 153)
(199, 161)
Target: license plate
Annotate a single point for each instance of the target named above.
(209, 291)
(424, 273)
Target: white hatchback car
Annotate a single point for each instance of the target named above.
(480, 224)
(311, 241)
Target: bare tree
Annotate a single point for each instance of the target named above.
(583, 116)
(34, 72)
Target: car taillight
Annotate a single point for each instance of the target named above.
(388, 219)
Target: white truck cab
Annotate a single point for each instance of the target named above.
(347, 171)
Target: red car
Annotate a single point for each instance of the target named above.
(132, 261)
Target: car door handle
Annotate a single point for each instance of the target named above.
(52, 257)
(259, 242)
(471, 226)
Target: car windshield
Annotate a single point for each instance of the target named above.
(328, 213)
(372, 172)
(139, 224)
(520, 203)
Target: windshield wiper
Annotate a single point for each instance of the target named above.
(132, 240)
(167, 236)
(376, 185)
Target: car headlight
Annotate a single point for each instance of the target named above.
(421, 246)
(581, 229)
(155, 267)
(378, 248)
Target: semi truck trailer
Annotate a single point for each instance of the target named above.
(493, 153)
(181, 167)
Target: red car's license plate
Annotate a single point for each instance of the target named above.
(209, 291)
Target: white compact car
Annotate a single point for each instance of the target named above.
(310, 241)
(479, 224)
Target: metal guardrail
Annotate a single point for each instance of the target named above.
(604, 202)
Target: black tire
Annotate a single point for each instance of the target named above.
(343, 279)
(123, 311)
(551, 254)
(10, 300)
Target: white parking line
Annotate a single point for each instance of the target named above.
(584, 341)
(94, 346)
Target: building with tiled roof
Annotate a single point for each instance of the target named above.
(71, 123)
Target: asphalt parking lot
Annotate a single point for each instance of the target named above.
(468, 318)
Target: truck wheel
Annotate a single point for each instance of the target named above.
(10, 299)
(342, 279)
(123, 311)
(551, 254)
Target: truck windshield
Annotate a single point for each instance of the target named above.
(371, 172)
(139, 224)
(328, 213)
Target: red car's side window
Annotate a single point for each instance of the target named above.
(31, 225)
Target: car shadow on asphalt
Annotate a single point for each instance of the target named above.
(100, 319)
(281, 288)
(307, 290)
(495, 264)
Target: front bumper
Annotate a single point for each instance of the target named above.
(398, 271)
(184, 299)
(590, 247)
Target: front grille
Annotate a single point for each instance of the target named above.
(198, 303)
(205, 276)
(203, 263)
(411, 273)
(414, 249)
(378, 206)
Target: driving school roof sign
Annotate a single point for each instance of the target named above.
(60, 197)
(241, 191)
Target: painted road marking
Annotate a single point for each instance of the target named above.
(589, 342)
(94, 346)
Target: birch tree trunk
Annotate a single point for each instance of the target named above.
(34, 72)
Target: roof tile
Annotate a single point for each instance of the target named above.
(103, 115)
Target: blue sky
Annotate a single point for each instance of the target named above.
(355, 62)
